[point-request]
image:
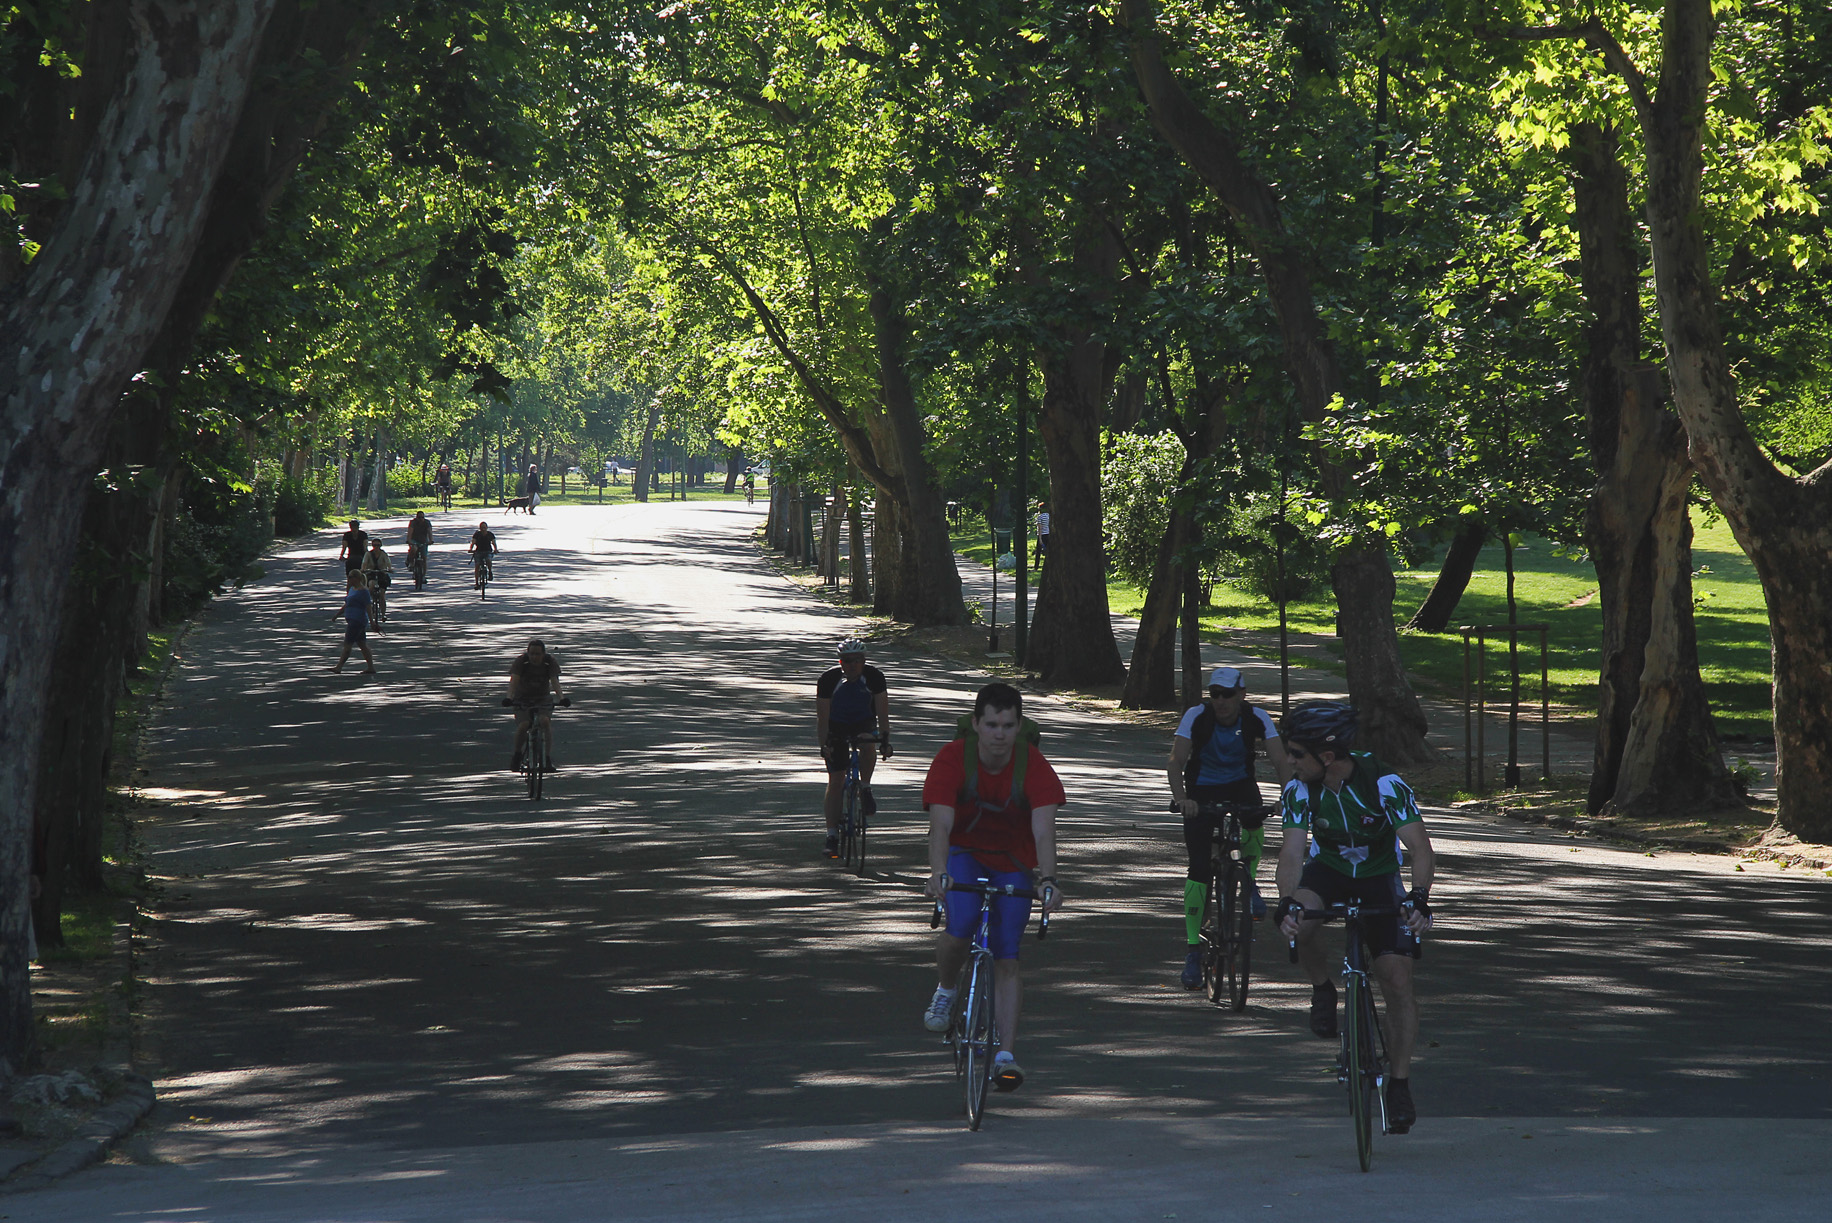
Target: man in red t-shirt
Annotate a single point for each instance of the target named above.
(990, 835)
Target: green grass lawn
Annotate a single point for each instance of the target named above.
(613, 494)
(1549, 589)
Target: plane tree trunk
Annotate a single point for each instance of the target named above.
(1783, 522)
(1656, 748)
(75, 326)
(1433, 615)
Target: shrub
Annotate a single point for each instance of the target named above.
(1137, 481)
(301, 506)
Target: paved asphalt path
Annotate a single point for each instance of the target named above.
(379, 984)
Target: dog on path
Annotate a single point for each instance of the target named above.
(512, 504)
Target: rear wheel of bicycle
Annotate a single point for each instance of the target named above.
(1362, 1071)
(977, 1025)
(1240, 938)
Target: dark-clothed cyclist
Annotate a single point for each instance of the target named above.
(1350, 824)
(849, 700)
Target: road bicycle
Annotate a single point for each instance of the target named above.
(378, 598)
(1226, 933)
(854, 812)
(534, 751)
(1361, 1062)
(416, 565)
(483, 571)
(973, 1028)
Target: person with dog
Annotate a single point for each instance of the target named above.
(355, 614)
(848, 700)
(355, 547)
(1350, 825)
(1211, 760)
(992, 800)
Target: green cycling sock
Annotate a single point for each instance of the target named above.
(1252, 846)
(1195, 899)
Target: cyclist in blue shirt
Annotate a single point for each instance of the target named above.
(1211, 760)
(1350, 824)
(848, 700)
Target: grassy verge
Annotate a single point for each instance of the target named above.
(1550, 589)
(613, 494)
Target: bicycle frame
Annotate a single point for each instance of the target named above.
(852, 804)
(1228, 922)
(1362, 1059)
(973, 1027)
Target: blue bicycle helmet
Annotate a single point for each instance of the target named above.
(1321, 725)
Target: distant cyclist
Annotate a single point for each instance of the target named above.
(1349, 825)
(355, 547)
(992, 819)
(483, 544)
(378, 572)
(1211, 760)
(419, 536)
(849, 700)
(533, 676)
(442, 479)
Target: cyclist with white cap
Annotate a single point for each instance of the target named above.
(848, 700)
(1211, 760)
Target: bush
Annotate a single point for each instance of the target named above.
(300, 506)
(1137, 481)
(1246, 553)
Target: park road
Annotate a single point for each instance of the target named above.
(379, 984)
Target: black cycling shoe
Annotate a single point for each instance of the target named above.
(515, 763)
(868, 802)
(1323, 1009)
(832, 848)
(1400, 1111)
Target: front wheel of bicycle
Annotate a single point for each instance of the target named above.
(1363, 1072)
(1240, 938)
(534, 763)
(849, 819)
(859, 838)
(1218, 930)
(977, 1030)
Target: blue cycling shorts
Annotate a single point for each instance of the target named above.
(1010, 914)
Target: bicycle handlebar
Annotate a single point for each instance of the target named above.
(1234, 809)
(986, 890)
(1340, 909)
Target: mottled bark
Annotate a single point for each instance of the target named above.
(1656, 748)
(1433, 615)
(1392, 720)
(1784, 523)
(74, 327)
(1151, 681)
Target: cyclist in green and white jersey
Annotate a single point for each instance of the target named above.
(1350, 824)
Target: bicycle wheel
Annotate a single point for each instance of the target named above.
(1240, 937)
(859, 838)
(534, 764)
(1219, 960)
(978, 1025)
(849, 815)
(1363, 1074)
(481, 576)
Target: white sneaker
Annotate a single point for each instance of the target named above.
(941, 1009)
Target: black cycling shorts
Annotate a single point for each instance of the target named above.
(838, 749)
(1198, 830)
(1386, 935)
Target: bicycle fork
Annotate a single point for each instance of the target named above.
(1351, 1019)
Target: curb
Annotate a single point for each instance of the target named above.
(106, 1126)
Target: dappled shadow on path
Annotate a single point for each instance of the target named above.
(366, 933)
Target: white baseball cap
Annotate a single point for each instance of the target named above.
(1226, 677)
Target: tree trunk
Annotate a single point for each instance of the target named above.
(645, 461)
(861, 574)
(734, 466)
(1433, 615)
(1783, 523)
(76, 325)
(1393, 722)
(1656, 748)
(1071, 639)
(886, 555)
(1194, 681)
(378, 483)
(931, 594)
(1151, 681)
